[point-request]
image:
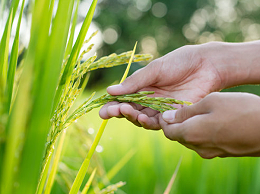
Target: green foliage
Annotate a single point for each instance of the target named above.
(39, 102)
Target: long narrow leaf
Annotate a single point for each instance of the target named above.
(55, 164)
(13, 61)
(86, 188)
(72, 31)
(16, 128)
(14, 7)
(170, 184)
(2, 7)
(10, 159)
(44, 173)
(4, 51)
(120, 165)
(47, 59)
(4, 46)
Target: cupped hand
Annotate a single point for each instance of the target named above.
(183, 74)
(221, 124)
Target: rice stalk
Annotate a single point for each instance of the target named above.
(86, 188)
(55, 164)
(61, 118)
(115, 60)
(157, 103)
(83, 169)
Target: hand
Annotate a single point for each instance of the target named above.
(181, 74)
(221, 124)
(188, 73)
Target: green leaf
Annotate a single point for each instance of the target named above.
(4, 51)
(86, 188)
(65, 79)
(170, 184)
(10, 159)
(45, 55)
(44, 172)
(13, 61)
(72, 31)
(55, 164)
(2, 7)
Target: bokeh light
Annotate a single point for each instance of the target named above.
(110, 35)
(159, 9)
(143, 5)
(149, 45)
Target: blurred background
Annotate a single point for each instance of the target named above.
(161, 26)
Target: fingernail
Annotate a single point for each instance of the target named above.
(114, 86)
(169, 116)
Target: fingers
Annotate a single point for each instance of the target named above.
(182, 114)
(140, 79)
(114, 112)
(149, 122)
(138, 115)
(193, 134)
(192, 131)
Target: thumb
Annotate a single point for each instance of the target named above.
(140, 79)
(182, 114)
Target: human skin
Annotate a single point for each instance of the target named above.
(191, 73)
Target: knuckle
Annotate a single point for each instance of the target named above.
(211, 99)
(190, 138)
(206, 154)
(169, 134)
(154, 62)
(213, 96)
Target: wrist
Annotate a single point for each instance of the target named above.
(236, 63)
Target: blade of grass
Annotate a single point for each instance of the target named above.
(14, 6)
(13, 61)
(44, 173)
(83, 169)
(16, 128)
(65, 79)
(4, 46)
(169, 187)
(55, 163)
(72, 31)
(120, 164)
(4, 51)
(47, 59)
(10, 159)
(2, 7)
(129, 65)
(86, 188)
(116, 168)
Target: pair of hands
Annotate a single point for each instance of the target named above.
(218, 124)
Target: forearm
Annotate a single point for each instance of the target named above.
(236, 63)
